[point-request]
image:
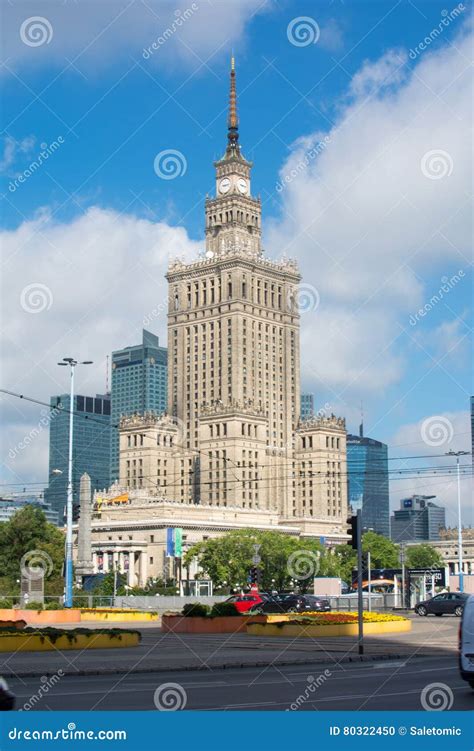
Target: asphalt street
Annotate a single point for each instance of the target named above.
(387, 685)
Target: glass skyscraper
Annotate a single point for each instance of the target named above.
(90, 448)
(367, 468)
(306, 406)
(139, 384)
(417, 519)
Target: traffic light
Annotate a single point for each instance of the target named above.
(352, 531)
(76, 512)
(255, 575)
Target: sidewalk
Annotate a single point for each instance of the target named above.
(165, 652)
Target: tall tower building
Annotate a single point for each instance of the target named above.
(232, 436)
(90, 448)
(367, 465)
(139, 385)
(233, 333)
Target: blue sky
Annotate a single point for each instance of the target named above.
(95, 224)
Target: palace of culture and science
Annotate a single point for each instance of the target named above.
(231, 452)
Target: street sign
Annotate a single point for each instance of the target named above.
(438, 574)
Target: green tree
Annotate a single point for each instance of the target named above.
(346, 561)
(29, 537)
(423, 556)
(286, 562)
(383, 552)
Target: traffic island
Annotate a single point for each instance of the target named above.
(329, 624)
(180, 624)
(34, 640)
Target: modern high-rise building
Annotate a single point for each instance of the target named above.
(306, 406)
(139, 385)
(417, 519)
(90, 449)
(10, 506)
(367, 469)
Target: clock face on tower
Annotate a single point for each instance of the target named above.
(242, 185)
(224, 185)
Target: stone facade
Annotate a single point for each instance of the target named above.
(232, 450)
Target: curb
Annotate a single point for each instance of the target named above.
(200, 668)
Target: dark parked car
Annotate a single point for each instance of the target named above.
(447, 603)
(7, 699)
(293, 604)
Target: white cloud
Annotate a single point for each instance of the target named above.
(12, 149)
(94, 283)
(93, 34)
(368, 227)
(433, 436)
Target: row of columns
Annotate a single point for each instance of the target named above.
(130, 562)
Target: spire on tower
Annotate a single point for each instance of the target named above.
(233, 120)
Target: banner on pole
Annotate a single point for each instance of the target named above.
(178, 542)
(170, 541)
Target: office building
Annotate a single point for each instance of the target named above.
(139, 385)
(9, 507)
(418, 519)
(306, 406)
(90, 450)
(367, 469)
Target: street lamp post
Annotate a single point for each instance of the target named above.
(68, 578)
(457, 454)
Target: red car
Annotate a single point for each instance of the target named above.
(245, 602)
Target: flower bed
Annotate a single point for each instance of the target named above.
(47, 639)
(328, 624)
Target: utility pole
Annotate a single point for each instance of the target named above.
(68, 588)
(369, 582)
(360, 600)
(457, 454)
